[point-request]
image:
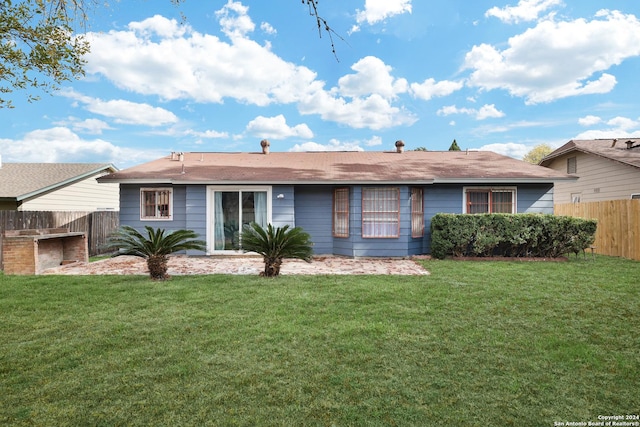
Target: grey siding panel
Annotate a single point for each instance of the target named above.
(313, 211)
(535, 199)
(196, 212)
(283, 209)
(130, 208)
(439, 199)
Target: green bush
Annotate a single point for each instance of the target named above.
(512, 235)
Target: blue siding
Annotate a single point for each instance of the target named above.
(439, 199)
(283, 209)
(196, 212)
(313, 212)
(310, 207)
(187, 209)
(535, 199)
(130, 208)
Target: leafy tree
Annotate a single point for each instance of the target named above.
(155, 246)
(454, 146)
(39, 50)
(420, 149)
(537, 153)
(275, 244)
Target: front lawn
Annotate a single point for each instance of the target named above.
(473, 344)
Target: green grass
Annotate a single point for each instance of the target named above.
(474, 344)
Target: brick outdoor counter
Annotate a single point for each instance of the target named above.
(33, 251)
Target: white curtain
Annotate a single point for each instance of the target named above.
(260, 206)
(218, 226)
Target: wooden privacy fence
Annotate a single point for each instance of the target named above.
(618, 231)
(96, 225)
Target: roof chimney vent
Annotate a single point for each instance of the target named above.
(399, 146)
(629, 144)
(265, 146)
(613, 144)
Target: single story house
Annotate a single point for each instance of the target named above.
(57, 187)
(356, 204)
(606, 169)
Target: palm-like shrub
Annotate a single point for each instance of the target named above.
(275, 244)
(155, 246)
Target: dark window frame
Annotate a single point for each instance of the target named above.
(340, 218)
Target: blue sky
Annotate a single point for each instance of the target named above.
(493, 75)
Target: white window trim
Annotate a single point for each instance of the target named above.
(157, 218)
(514, 190)
(211, 189)
(635, 196)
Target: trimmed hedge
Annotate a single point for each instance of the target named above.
(509, 235)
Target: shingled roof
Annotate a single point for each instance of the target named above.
(623, 150)
(20, 181)
(331, 167)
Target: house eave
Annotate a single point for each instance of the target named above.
(471, 181)
(485, 181)
(62, 184)
(241, 182)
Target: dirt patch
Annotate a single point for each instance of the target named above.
(184, 265)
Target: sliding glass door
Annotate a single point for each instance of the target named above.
(233, 209)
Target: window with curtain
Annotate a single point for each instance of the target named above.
(417, 212)
(341, 212)
(156, 204)
(490, 200)
(380, 212)
(232, 210)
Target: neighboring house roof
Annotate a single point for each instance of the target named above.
(21, 181)
(623, 150)
(354, 167)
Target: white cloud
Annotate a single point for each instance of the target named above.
(378, 10)
(373, 76)
(373, 112)
(277, 128)
(205, 69)
(234, 20)
(485, 112)
(619, 127)
(526, 10)
(208, 134)
(510, 149)
(589, 120)
(623, 123)
(430, 88)
(90, 126)
(160, 26)
(125, 112)
(59, 144)
(267, 28)
(556, 60)
(93, 126)
(374, 141)
(333, 145)
(489, 111)
(198, 67)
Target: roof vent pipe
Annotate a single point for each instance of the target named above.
(629, 144)
(613, 144)
(265, 146)
(399, 146)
